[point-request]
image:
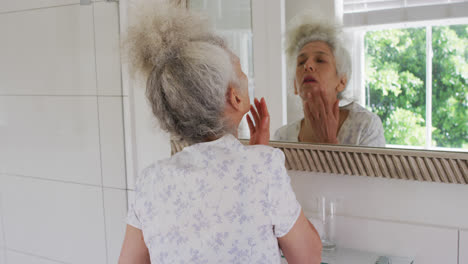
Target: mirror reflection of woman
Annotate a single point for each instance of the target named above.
(323, 70)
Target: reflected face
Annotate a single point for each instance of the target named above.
(316, 70)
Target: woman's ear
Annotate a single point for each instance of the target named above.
(234, 99)
(342, 84)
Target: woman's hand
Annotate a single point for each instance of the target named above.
(323, 118)
(260, 131)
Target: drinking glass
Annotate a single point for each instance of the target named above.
(327, 213)
(324, 221)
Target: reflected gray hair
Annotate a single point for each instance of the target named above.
(187, 67)
(306, 28)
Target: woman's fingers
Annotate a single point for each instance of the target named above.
(336, 110)
(324, 108)
(265, 115)
(310, 111)
(251, 125)
(257, 106)
(259, 112)
(260, 130)
(254, 114)
(307, 106)
(264, 108)
(319, 109)
(328, 107)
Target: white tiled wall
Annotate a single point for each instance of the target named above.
(106, 21)
(463, 247)
(130, 196)
(48, 51)
(52, 219)
(2, 241)
(53, 137)
(15, 257)
(15, 5)
(115, 207)
(2, 237)
(62, 155)
(130, 150)
(112, 143)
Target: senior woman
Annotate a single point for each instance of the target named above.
(322, 72)
(216, 201)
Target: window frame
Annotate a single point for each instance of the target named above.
(357, 35)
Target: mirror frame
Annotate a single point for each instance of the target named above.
(405, 164)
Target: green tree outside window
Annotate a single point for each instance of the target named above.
(395, 65)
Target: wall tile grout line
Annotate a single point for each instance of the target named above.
(34, 255)
(62, 95)
(125, 151)
(99, 135)
(62, 181)
(124, 132)
(36, 9)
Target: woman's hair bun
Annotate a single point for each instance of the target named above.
(157, 31)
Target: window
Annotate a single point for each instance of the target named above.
(416, 81)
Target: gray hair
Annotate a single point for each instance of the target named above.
(306, 28)
(188, 69)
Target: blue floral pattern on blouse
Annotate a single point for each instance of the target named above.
(215, 202)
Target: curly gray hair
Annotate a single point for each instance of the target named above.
(188, 69)
(306, 28)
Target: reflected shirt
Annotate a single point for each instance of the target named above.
(361, 127)
(215, 202)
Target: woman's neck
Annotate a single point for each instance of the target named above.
(307, 134)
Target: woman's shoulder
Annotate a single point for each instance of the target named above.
(227, 147)
(360, 115)
(264, 152)
(288, 132)
(355, 107)
(362, 128)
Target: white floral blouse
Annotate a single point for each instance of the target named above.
(215, 202)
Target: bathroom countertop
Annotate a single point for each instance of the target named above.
(352, 256)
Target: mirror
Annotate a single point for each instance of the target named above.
(411, 77)
(421, 102)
